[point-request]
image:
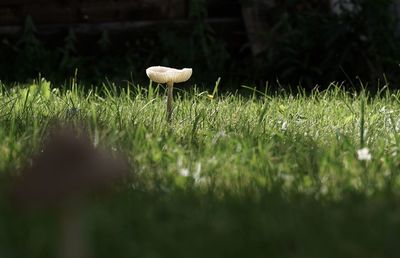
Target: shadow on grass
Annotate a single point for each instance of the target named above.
(131, 223)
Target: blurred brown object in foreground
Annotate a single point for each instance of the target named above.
(68, 168)
(61, 176)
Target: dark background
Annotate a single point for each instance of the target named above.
(287, 43)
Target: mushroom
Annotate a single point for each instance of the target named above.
(61, 176)
(161, 74)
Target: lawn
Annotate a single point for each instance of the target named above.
(260, 174)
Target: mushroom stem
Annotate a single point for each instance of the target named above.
(170, 100)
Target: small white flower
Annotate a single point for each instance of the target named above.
(197, 173)
(284, 126)
(363, 154)
(385, 110)
(184, 172)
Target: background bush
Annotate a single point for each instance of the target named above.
(307, 45)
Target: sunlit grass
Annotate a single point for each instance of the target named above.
(303, 143)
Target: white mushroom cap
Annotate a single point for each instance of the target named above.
(161, 74)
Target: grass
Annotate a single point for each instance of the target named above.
(261, 175)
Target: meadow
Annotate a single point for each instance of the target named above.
(261, 174)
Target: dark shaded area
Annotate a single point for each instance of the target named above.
(245, 42)
(183, 224)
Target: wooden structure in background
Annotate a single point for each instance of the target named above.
(227, 17)
(124, 14)
(13, 12)
(53, 18)
(248, 19)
